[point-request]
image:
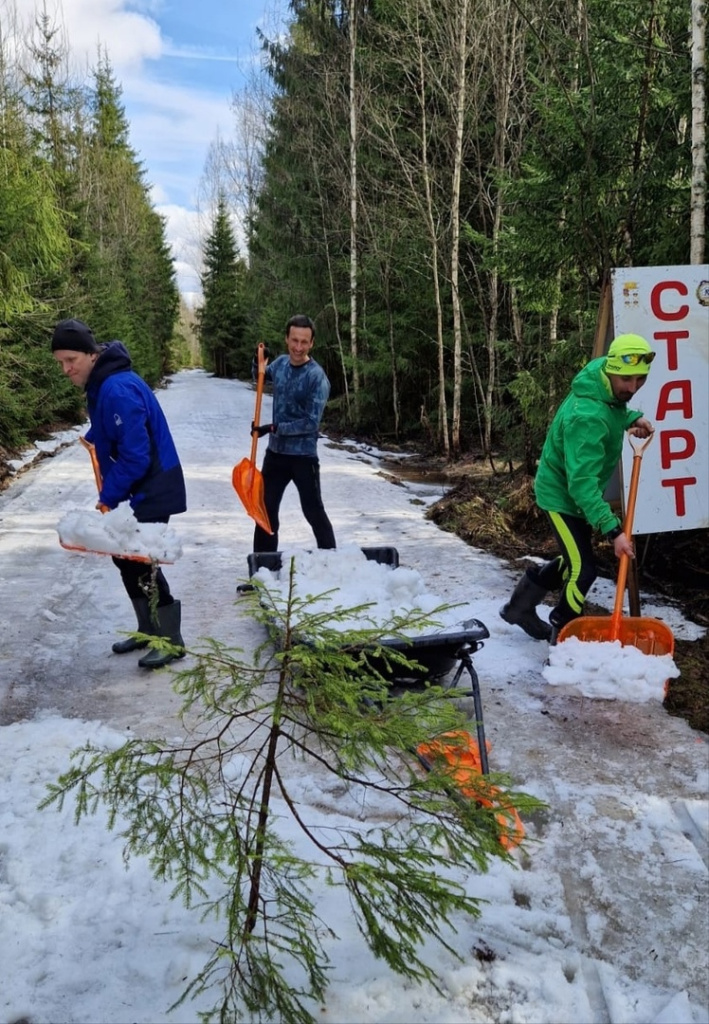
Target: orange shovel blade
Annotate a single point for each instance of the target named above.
(649, 635)
(113, 554)
(248, 484)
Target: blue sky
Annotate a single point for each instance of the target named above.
(178, 63)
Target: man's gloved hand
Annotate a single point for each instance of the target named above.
(103, 509)
(265, 428)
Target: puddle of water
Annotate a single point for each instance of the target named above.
(415, 475)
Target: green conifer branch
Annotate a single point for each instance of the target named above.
(205, 812)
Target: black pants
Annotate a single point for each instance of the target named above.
(574, 571)
(304, 471)
(138, 578)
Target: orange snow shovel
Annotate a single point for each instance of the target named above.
(651, 636)
(90, 448)
(246, 478)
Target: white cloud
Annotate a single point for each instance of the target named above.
(176, 93)
(172, 126)
(129, 36)
(184, 235)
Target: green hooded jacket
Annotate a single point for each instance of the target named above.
(582, 449)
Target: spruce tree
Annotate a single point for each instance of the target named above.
(130, 274)
(221, 319)
(206, 812)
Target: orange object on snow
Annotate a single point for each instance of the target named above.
(246, 479)
(457, 755)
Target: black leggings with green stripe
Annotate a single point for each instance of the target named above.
(573, 571)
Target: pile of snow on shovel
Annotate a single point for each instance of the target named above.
(118, 532)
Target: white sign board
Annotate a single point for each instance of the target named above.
(669, 306)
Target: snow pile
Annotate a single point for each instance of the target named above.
(345, 578)
(118, 533)
(609, 670)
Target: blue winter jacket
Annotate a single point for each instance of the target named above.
(300, 394)
(136, 453)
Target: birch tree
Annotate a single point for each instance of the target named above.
(407, 43)
(353, 20)
(460, 111)
(699, 128)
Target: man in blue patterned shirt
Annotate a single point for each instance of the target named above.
(300, 393)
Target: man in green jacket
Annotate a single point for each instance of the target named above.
(581, 450)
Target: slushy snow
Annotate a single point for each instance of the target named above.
(370, 593)
(600, 919)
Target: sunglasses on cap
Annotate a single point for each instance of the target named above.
(633, 358)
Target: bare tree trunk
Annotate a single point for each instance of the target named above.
(395, 399)
(443, 434)
(699, 127)
(331, 282)
(353, 207)
(455, 220)
(504, 59)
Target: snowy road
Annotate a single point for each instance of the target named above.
(610, 904)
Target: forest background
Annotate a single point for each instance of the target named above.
(444, 188)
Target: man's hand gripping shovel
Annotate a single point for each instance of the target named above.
(90, 448)
(246, 478)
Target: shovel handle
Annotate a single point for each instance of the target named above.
(259, 395)
(638, 447)
(91, 449)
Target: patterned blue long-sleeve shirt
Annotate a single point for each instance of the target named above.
(300, 394)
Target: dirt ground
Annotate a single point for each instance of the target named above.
(495, 511)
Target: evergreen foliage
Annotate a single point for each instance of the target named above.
(206, 812)
(221, 319)
(78, 234)
(576, 160)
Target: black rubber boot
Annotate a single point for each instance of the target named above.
(169, 621)
(145, 625)
(521, 609)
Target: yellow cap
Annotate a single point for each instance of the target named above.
(629, 355)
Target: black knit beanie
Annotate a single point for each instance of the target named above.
(73, 335)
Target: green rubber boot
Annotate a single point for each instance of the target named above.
(145, 625)
(169, 622)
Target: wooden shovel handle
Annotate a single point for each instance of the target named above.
(638, 449)
(259, 395)
(91, 449)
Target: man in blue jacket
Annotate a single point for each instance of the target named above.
(300, 393)
(138, 463)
